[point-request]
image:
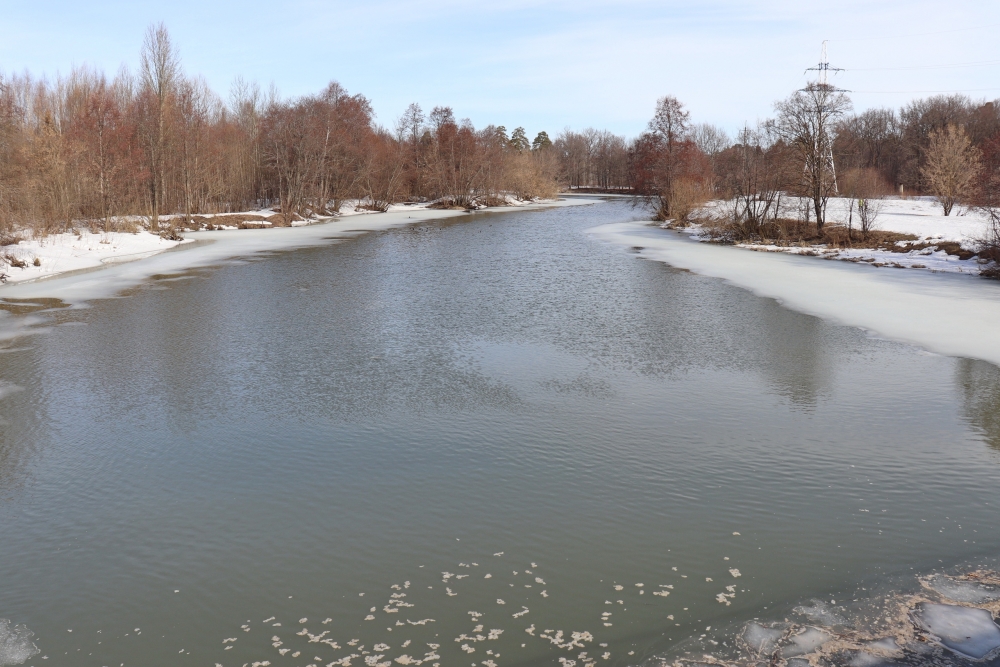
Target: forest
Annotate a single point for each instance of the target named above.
(160, 147)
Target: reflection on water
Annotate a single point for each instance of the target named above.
(797, 364)
(980, 383)
(289, 438)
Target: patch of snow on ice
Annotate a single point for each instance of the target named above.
(968, 631)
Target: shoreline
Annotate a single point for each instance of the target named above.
(205, 247)
(74, 287)
(917, 217)
(951, 314)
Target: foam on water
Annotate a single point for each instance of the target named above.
(925, 626)
(949, 314)
(15, 643)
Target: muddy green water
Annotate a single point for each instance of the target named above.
(498, 415)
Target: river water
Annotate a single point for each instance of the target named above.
(495, 421)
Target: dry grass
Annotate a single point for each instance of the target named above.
(788, 232)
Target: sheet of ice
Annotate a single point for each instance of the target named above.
(15, 643)
(806, 641)
(948, 314)
(760, 638)
(968, 631)
(958, 590)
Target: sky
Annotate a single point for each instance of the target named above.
(544, 65)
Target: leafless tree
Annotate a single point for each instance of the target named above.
(807, 121)
(160, 67)
(753, 179)
(867, 191)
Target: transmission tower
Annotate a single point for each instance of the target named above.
(823, 67)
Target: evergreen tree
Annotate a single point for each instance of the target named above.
(541, 141)
(519, 140)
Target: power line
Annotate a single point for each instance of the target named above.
(923, 92)
(920, 67)
(918, 34)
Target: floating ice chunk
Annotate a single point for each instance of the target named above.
(971, 592)
(760, 638)
(805, 642)
(887, 644)
(15, 643)
(879, 652)
(967, 631)
(820, 612)
(735, 572)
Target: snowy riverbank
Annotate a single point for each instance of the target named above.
(43, 258)
(921, 217)
(82, 268)
(956, 315)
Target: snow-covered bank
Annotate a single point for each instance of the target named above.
(948, 314)
(102, 278)
(36, 257)
(921, 217)
(58, 253)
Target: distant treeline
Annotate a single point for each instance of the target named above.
(87, 149)
(892, 144)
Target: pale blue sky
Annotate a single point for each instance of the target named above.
(543, 65)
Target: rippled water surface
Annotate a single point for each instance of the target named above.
(516, 425)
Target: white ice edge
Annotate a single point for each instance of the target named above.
(212, 247)
(948, 314)
(103, 279)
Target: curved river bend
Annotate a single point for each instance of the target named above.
(232, 461)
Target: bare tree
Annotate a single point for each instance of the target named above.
(753, 178)
(710, 139)
(866, 191)
(160, 67)
(950, 166)
(807, 122)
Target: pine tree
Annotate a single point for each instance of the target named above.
(541, 141)
(519, 140)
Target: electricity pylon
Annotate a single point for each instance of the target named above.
(827, 149)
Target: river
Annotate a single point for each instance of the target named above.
(497, 421)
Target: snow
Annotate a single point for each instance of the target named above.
(949, 314)
(59, 253)
(922, 217)
(968, 631)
